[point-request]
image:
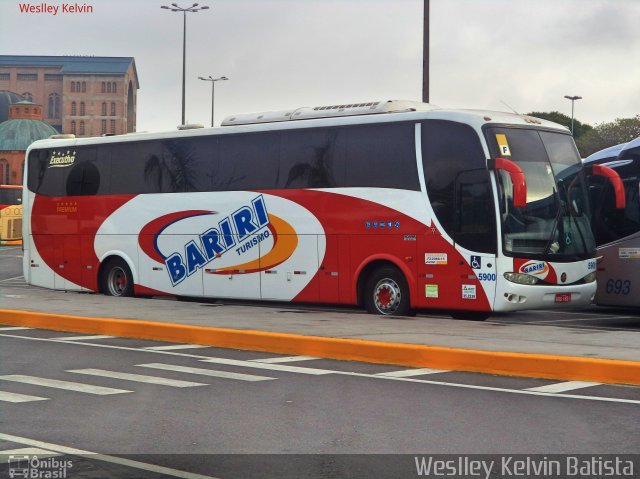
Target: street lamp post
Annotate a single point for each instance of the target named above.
(193, 8)
(573, 99)
(213, 82)
(425, 52)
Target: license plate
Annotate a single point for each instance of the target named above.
(563, 297)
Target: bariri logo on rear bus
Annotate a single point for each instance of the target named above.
(60, 159)
(535, 268)
(235, 234)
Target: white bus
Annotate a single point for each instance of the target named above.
(395, 206)
(617, 231)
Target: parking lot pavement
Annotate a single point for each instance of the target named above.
(594, 345)
(190, 366)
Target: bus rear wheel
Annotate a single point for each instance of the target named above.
(387, 293)
(116, 278)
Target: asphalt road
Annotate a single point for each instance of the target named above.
(11, 265)
(193, 408)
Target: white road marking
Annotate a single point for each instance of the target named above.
(66, 385)
(206, 372)
(137, 378)
(13, 328)
(405, 373)
(582, 313)
(599, 318)
(176, 346)
(13, 397)
(286, 359)
(271, 367)
(422, 381)
(103, 457)
(25, 451)
(11, 279)
(83, 338)
(525, 392)
(563, 387)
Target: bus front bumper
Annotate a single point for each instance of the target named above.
(514, 297)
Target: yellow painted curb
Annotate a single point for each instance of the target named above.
(503, 363)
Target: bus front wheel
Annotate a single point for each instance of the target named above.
(387, 293)
(116, 278)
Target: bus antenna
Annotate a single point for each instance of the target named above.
(505, 104)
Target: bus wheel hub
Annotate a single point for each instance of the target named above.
(387, 296)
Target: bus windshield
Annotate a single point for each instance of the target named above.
(10, 195)
(554, 225)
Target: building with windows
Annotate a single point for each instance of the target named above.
(6, 99)
(23, 127)
(87, 96)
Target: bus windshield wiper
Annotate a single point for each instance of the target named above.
(555, 222)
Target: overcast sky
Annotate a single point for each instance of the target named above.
(281, 54)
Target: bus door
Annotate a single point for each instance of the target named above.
(475, 239)
(464, 278)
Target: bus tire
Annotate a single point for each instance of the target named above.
(116, 278)
(387, 293)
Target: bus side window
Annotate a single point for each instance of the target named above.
(83, 179)
(382, 156)
(44, 180)
(448, 149)
(248, 162)
(86, 175)
(312, 158)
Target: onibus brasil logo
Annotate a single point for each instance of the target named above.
(33, 467)
(237, 233)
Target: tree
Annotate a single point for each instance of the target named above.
(604, 135)
(579, 128)
(590, 139)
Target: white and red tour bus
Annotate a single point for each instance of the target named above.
(395, 206)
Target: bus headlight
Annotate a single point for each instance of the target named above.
(590, 278)
(521, 278)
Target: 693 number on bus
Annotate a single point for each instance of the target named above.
(618, 286)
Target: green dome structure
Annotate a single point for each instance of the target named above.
(19, 133)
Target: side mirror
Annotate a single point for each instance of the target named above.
(517, 178)
(613, 176)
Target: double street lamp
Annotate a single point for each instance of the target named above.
(573, 99)
(193, 9)
(213, 82)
